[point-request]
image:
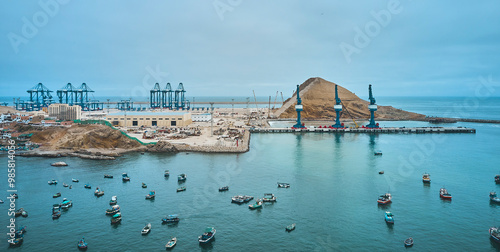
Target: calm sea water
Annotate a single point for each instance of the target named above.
(334, 187)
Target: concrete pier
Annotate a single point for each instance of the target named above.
(394, 130)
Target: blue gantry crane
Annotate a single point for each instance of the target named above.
(155, 96)
(372, 107)
(338, 109)
(67, 94)
(166, 99)
(39, 97)
(298, 108)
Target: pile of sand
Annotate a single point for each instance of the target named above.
(83, 137)
(318, 98)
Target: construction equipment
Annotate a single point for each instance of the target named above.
(275, 98)
(372, 107)
(338, 109)
(298, 108)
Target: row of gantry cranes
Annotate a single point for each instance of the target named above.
(338, 108)
(41, 97)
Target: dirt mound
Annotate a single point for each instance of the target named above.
(162, 146)
(83, 137)
(6, 110)
(318, 98)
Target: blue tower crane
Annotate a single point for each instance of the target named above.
(298, 108)
(338, 109)
(372, 107)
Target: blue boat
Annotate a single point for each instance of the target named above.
(17, 240)
(82, 244)
(151, 195)
(208, 236)
(172, 218)
(389, 217)
(495, 234)
(125, 177)
(181, 177)
(494, 198)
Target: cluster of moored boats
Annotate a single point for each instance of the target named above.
(18, 237)
(386, 198)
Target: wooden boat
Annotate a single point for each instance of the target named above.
(290, 227)
(75, 180)
(381, 172)
(108, 176)
(207, 236)
(495, 234)
(59, 164)
(239, 199)
(497, 179)
(384, 199)
(181, 189)
(173, 218)
(98, 192)
(409, 242)
(52, 182)
(57, 195)
(166, 174)
(82, 244)
(146, 229)
(378, 153)
(151, 195)
(114, 209)
(24, 213)
(16, 241)
(283, 185)
(65, 185)
(125, 177)
(224, 188)
(256, 205)
(443, 193)
(66, 204)
(170, 244)
(71, 186)
(113, 201)
(389, 217)
(1, 201)
(426, 178)
(56, 214)
(144, 185)
(21, 230)
(87, 186)
(269, 197)
(494, 198)
(117, 218)
(182, 177)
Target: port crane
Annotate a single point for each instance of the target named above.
(298, 108)
(338, 109)
(372, 107)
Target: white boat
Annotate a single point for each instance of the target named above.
(53, 182)
(269, 197)
(170, 244)
(283, 185)
(59, 164)
(113, 200)
(75, 180)
(207, 236)
(146, 229)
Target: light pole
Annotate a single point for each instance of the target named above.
(211, 119)
(232, 110)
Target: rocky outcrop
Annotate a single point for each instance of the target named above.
(162, 146)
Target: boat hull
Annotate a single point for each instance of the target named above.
(492, 236)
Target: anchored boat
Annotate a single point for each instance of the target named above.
(82, 244)
(182, 177)
(283, 185)
(125, 177)
(151, 195)
(290, 227)
(66, 204)
(384, 199)
(166, 174)
(57, 195)
(98, 192)
(269, 197)
(495, 234)
(146, 229)
(170, 244)
(389, 217)
(108, 176)
(256, 205)
(207, 236)
(172, 218)
(426, 178)
(497, 179)
(117, 218)
(443, 193)
(113, 201)
(409, 242)
(181, 189)
(114, 210)
(52, 182)
(87, 186)
(494, 198)
(224, 188)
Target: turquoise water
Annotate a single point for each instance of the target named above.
(332, 199)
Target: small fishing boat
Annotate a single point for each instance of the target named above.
(19, 212)
(75, 180)
(98, 192)
(239, 199)
(56, 206)
(181, 177)
(1, 201)
(144, 185)
(269, 197)
(82, 244)
(256, 205)
(151, 195)
(443, 193)
(65, 185)
(24, 213)
(166, 174)
(113, 201)
(71, 186)
(21, 230)
(170, 244)
(494, 198)
(207, 236)
(56, 214)
(495, 234)
(57, 195)
(290, 227)
(181, 189)
(16, 241)
(224, 188)
(426, 178)
(116, 218)
(389, 217)
(173, 218)
(283, 185)
(114, 209)
(87, 186)
(497, 179)
(409, 242)
(59, 164)
(146, 229)
(384, 199)
(66, 204)
(378, 153)
(108, 176)
(381, 172)
(52, 182)
(125, 177)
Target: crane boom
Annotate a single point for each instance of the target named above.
(345, 107)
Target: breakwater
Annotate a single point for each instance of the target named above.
(367, 130)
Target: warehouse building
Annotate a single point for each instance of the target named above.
(65, 112)
(148, 119)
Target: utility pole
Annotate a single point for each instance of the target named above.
(232, 110)
(108, 106)
(193, 102)
(211, 119)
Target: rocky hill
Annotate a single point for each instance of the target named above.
(318, 98)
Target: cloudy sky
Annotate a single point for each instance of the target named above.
(231, 47)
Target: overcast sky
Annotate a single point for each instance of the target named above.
(231, 47)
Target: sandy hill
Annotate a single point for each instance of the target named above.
(318, 98)
(82, 137)
(5, 110)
